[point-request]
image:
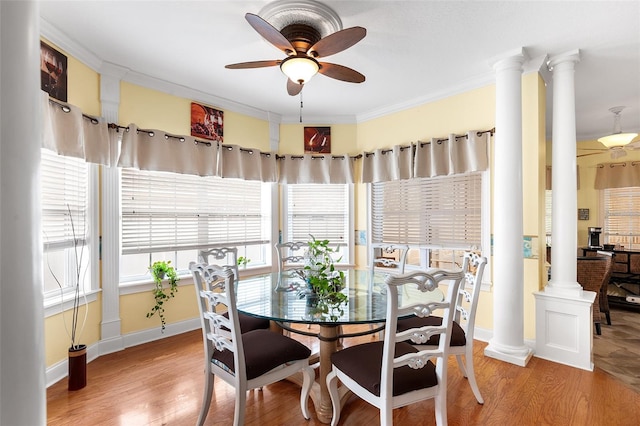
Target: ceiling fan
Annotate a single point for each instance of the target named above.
(616, 143)
(302, 43)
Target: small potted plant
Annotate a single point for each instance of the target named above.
(160, 270)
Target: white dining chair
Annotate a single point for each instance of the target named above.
(389, 258)
(227, 257)
(243, 360)
(393, 373)
(463, 321)
(290, 255)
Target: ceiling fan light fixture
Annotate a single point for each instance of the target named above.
(299, 69)
(617, 139)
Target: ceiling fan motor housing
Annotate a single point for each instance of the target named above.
(301, 36)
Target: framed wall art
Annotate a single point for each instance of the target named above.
(317, 140)
(53, 72)
(207, 122)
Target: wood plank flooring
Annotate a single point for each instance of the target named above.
(160, 383)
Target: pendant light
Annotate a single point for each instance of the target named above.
(617, 139)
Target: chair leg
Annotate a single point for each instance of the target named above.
(206, 398)
(598, 329)
(332, 387)
(241, 405)
(308, 376)
(608, 315)
(471, 376)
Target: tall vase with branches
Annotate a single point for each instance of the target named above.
(77, 351)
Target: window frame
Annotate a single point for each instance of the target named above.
(53, 301)
(425, 249)
(131, 282)
(349, 232)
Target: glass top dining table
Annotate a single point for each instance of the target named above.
(284, 299)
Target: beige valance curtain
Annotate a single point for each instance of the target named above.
(388, 164)
(617, 175)
(248, 164)
(151, 149)
(315, 169)
(68, 132)
(454, 155)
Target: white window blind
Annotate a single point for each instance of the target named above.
(622, 216)
(321, 210)
(64, 203)
(548, 210)
(437, 212)
(169, 212)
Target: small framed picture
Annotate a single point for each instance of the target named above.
(317, 140)
(207, 122)
(53, 72)
(583, 214)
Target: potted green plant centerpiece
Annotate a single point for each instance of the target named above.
(160, 270)
(324, 282)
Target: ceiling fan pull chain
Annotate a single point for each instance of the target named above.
(301, 107)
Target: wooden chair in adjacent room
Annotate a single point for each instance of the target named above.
(228, 257)
(604, 297)
(248, 360)
(593, 273)
(463, 321)
(393, 373)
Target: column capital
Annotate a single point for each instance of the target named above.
(509, 60)
(570, 57)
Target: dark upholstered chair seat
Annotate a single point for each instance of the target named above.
(249, 323)
(362, 363)
(264, 350)
(458, 337)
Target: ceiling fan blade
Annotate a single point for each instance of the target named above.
(253, 64)
(270, 33)
(590, 153)
(337, 42)
(293, 88)
(340, 72)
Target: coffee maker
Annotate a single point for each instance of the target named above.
(594, 237)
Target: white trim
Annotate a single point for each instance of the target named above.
(59, 371)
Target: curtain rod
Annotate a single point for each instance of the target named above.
(151, 133)
(479, 133)
(319, 157)
(66, 109)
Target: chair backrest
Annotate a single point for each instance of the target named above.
(425, 281)
(291, 254)
(467, 302)
(222, 256)
(215, 286)
(388, 257)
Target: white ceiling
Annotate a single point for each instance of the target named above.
(414, 52)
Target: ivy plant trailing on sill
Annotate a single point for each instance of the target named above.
(160, 270)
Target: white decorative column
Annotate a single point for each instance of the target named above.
(22, 352)
(564, 325)
(111, 337)
(507, 343)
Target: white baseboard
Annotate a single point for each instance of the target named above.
(60, 370)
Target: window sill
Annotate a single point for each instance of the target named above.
(53, 305)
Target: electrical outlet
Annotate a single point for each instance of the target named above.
(633, 299)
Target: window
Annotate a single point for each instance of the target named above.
(321, 210)
(442, 214)
(622, 217)
(169, 216)
(67, 224)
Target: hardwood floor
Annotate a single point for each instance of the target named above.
(160, 383)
